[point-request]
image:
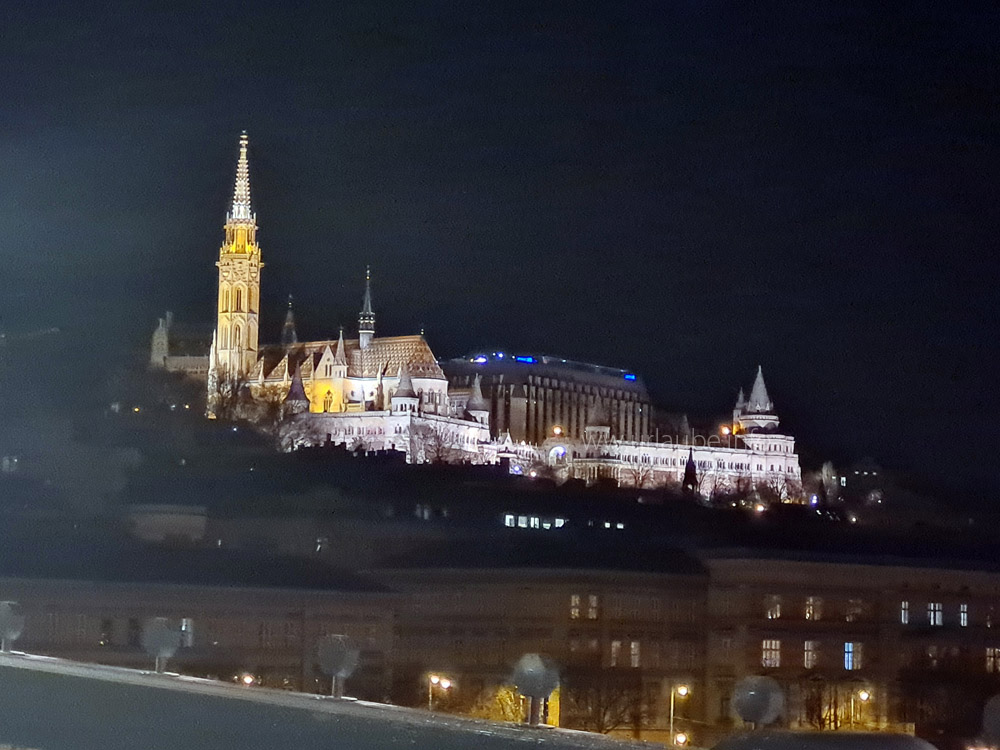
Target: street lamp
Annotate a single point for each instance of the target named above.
(681, 739)
(864, 695)
(675, 692)
(442, 682)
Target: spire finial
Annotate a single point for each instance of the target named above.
(366, 320)
(241, 193)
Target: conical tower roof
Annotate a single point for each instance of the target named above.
(405, 387)
(476, 400)
(339, 354)
(241, 210)
(288, 333)
(297, 391)
(760, 402)
(741, 401)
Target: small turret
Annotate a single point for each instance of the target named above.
(757, 414)
(477, 407)
(339, 354)
(296, 401)
(159, 348)
(366, 318)
(689, 485)
(404, 399)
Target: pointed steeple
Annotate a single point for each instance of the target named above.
(405, 387)
(760, 402)
(690, 481)
(741, 401)
(340, 353)
(288, 334)
(366, 319)
(297, 391)
(476, 400)
(241, 210)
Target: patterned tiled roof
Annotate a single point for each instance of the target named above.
(385, 355)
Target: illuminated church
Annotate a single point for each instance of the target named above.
(390, 393)
(369, 392)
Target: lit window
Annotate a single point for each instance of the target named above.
(535, 523)
(935, 613)
(854, 610)
(634, 654)
(509, 520)
(560, 522)
(814, 608)
(187, 632)
(810, 654)
(963, 615)
(574, 607)
(993, 659)
(770, 653)
(773, 607)
(616, 647)
(592, 607)
(522, 522)
(904, 612)
(852, 655)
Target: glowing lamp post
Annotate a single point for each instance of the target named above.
(677, 691)
(433, 681)
(864, 695)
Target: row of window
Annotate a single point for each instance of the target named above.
(770, 654)
(857, 609)
(532, 522)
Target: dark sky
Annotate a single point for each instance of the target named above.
(686, 189)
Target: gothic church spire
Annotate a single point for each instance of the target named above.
(241, 210)
(366, 319)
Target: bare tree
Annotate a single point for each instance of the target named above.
(603, 700)
(228, 395)
(433, 446)
(636, 473)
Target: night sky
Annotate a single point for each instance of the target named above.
(685, 189)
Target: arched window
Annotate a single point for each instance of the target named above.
(224, 337)
(328, 401)
(238, 307)
(237, 336)
(253, 299)
(224, 299)
(253, 336)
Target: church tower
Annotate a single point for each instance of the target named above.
(239, 280)
(366, 319)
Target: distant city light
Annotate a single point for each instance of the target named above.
(528, 360)
(725, 430)
(557, 430)
(629, 376)
(759, 507)
(481, 359)
(681, 738)
(247, 679)
(813, 500)
(516, 469)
